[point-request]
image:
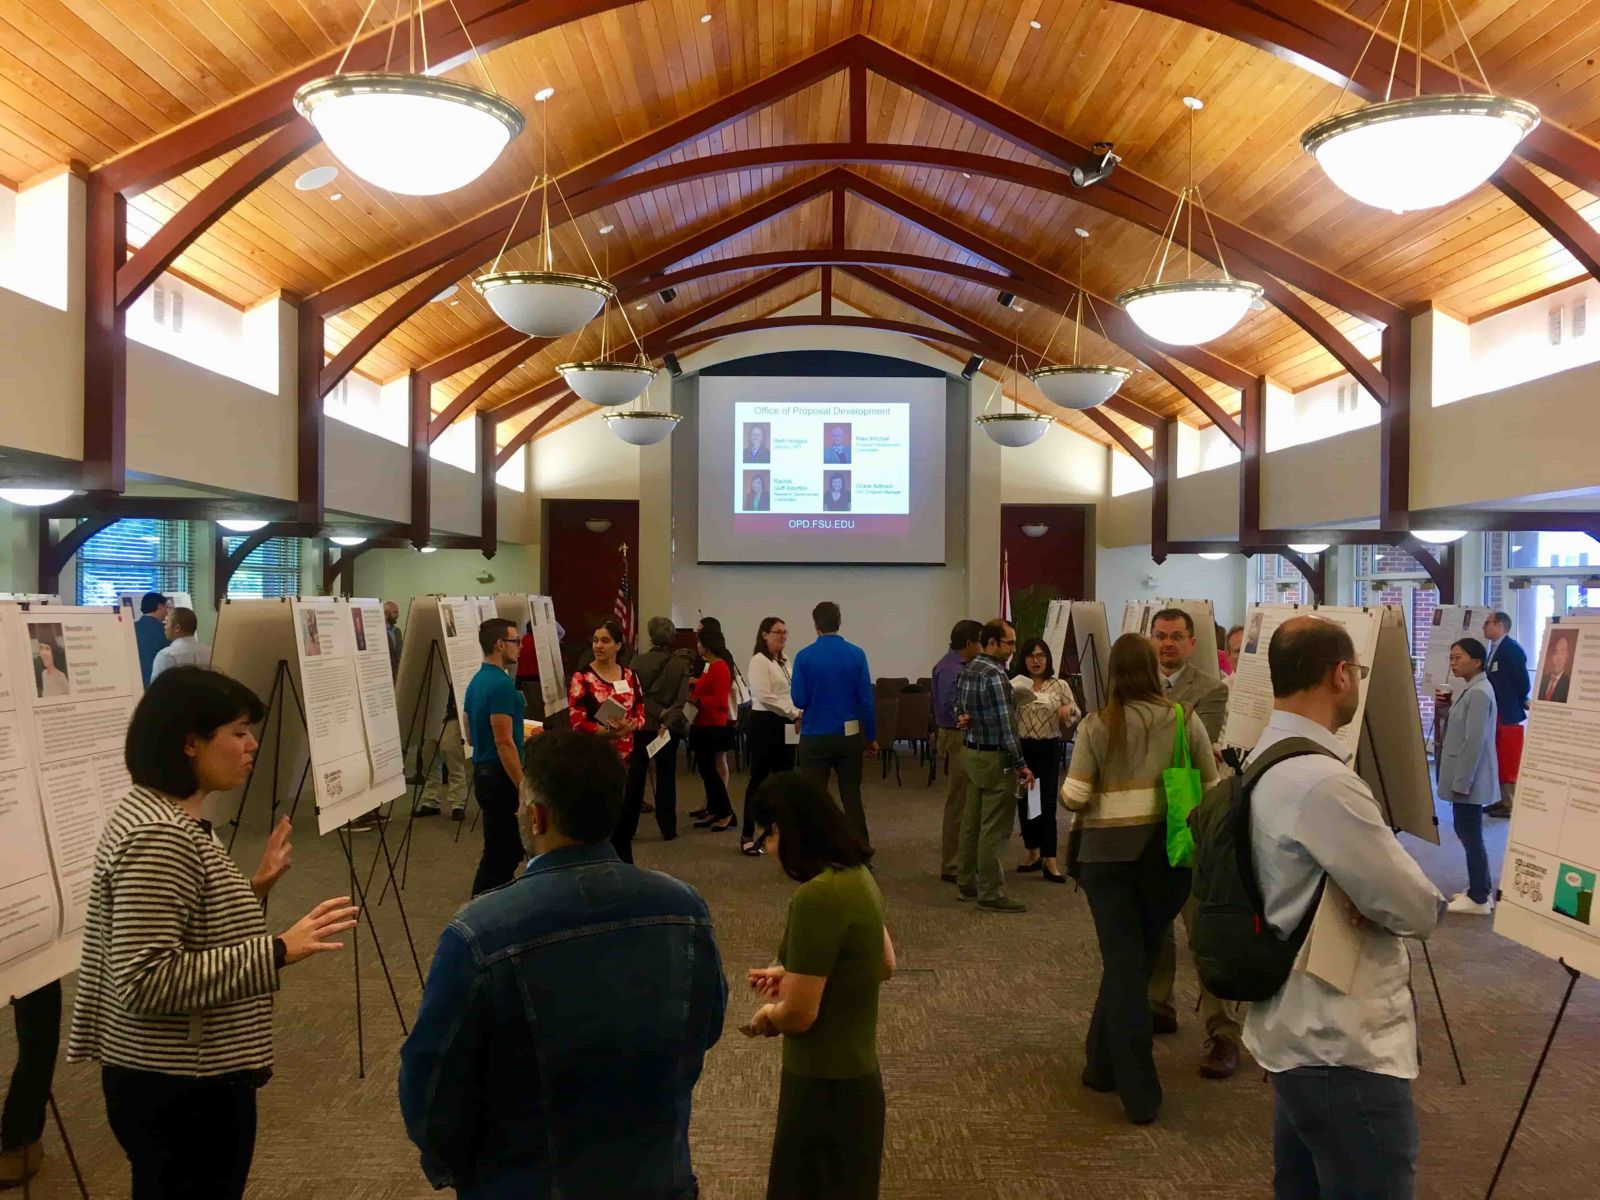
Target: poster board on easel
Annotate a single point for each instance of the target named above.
(1451, 623)
(69, 681)
(1384, 738)
(459, 618)
(1138, 615)
(422, 688)
(1055, 630)
(1091, 636)
(547, 646)
(1548, 880)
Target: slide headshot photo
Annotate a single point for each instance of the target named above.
(757, 491)
(360, 623)
(836, 444)
(308, 630)
(50, 676)
(1555, 672)
(758, 442)
(836, 491)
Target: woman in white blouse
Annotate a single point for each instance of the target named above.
(772, 716)
(1041, 721)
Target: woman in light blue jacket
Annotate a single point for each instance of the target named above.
(1469, 771)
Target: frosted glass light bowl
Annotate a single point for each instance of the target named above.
(409, 134)
(607, 384)
(642, 428)
(1421, 152)
(544, 304)
(1013, 430)
(1188, 312)
(1079, 387)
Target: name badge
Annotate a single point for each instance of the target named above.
(1493, 667)
(852, 728)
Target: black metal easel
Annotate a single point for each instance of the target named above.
(1573, 975)
(282, 684)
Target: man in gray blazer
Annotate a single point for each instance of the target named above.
(1469, 770)
(1172, 634)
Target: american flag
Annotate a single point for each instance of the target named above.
(622, 610)
(1005, 586)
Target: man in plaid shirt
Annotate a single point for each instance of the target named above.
(995, 769)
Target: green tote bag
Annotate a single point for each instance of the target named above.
(1184, 790)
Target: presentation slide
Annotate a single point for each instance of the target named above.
(821, 470)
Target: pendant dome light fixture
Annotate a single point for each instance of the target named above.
(545, 303)
(1420, 151)
(1078, 385)
(1016, 428)
(606, 381)
(407, 131)
(1188, 311)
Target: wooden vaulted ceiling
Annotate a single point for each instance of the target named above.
(91, 80)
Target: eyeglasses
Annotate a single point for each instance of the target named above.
(1361, 671)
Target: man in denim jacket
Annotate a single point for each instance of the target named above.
(568, 1013)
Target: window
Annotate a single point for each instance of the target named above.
(271, 570)
(1388, 575)
(1278, 581)
(135, 556)
(1534, 577)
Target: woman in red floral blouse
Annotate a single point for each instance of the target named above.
(607, 679)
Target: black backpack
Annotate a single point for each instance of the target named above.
(1236, 952)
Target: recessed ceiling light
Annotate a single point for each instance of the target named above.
(605, 229)
(640, 307)
(453, 303)
(706, 20)
(966, 175)
(336, 196)
(316, 177)
(447, 293)
(1034, 25)
(543, 94)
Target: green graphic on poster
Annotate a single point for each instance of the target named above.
(1574, 893)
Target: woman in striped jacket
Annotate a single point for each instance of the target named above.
(175, 988)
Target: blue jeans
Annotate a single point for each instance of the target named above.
(1343, 1134)
(1469, 828)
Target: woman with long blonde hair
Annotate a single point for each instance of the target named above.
(1114, 787)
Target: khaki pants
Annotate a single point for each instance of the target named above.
(986, 823)
(455, 765)
(955, 797)
(1224, 1018)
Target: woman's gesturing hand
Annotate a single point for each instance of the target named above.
(309, 935)
(276, 859)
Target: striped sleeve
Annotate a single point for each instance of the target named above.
(156, 884)
(1077, 789)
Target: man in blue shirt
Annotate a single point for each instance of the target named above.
(833, 689)
(567, 1015)
(150, 631)
(494, 711)
(1507, 669)
(995, 767)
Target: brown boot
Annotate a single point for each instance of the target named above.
(1221, 1059)
(20, 1165)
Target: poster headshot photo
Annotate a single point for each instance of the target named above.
(836, 491)
(1555, 669)
(449, 622)
(50, 675)
(360, 624)
(836, 443)
(308, 633)
(758, 442)
(757, 491)
(1252, 635)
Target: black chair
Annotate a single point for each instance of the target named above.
(887, 709)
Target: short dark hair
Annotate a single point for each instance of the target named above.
(1027, 648)
(1472, 648)
(1174, 614)
(179, 703)
(826, 617)
(761, 634)
(964, 633)
(1503, 619)
(579, 777)
(151, 601)
(612, 628)
(813, 831)
(711, 623)
(186, 621)
(492, 630)
(1302, 652)
(994, 631)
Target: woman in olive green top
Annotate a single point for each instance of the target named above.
(823, 998)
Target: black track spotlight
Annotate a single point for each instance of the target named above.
(1100, 163)
(673, 369)
(974, 365)
(1004, 299)
(668, 295)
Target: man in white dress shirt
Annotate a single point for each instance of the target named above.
(1341, 1064)
(183, 649)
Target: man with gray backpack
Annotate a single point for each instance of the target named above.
(1266, 843)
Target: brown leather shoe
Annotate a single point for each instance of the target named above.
(20, 1165)
(1222, 1058)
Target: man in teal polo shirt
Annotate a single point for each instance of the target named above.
(494, 711)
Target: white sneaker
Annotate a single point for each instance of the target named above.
(1463, 903)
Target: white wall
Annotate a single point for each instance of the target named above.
(1124, 573)
(399, 575)
(1062, 467)
(585, 461)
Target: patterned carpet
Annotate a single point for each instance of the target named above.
(980, 1040)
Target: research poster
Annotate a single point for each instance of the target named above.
(1092, 637)
(547, 648)
(1057, 616)
(821, 461)
(69, 681)
(1139, 615)
(459, 618)
(1451, 623)
(1136, 616)
(1547, 883)
(380, 714)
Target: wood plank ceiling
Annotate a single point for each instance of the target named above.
(86, 80)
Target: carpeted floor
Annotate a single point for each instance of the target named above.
(980, 1041)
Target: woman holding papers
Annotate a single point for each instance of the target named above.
(1046, 713)
(773, 721)
(175, 989)
(713, 727)
(604, 698)
(1115, 787)
(1469, 772)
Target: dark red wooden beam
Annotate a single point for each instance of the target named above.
(420, 396)
(105, 343)
(1161, 490)
(1252, 417)
(488, 467)
(469, 395)
(309, 439)
(827, 292)
(1394, 430)
(1121, 436)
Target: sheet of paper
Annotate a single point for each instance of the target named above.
(1033, 804)
(851, 728)
(691, 710)
(658, 743)
(791, 735)
(341, 771)
(1332, 950)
